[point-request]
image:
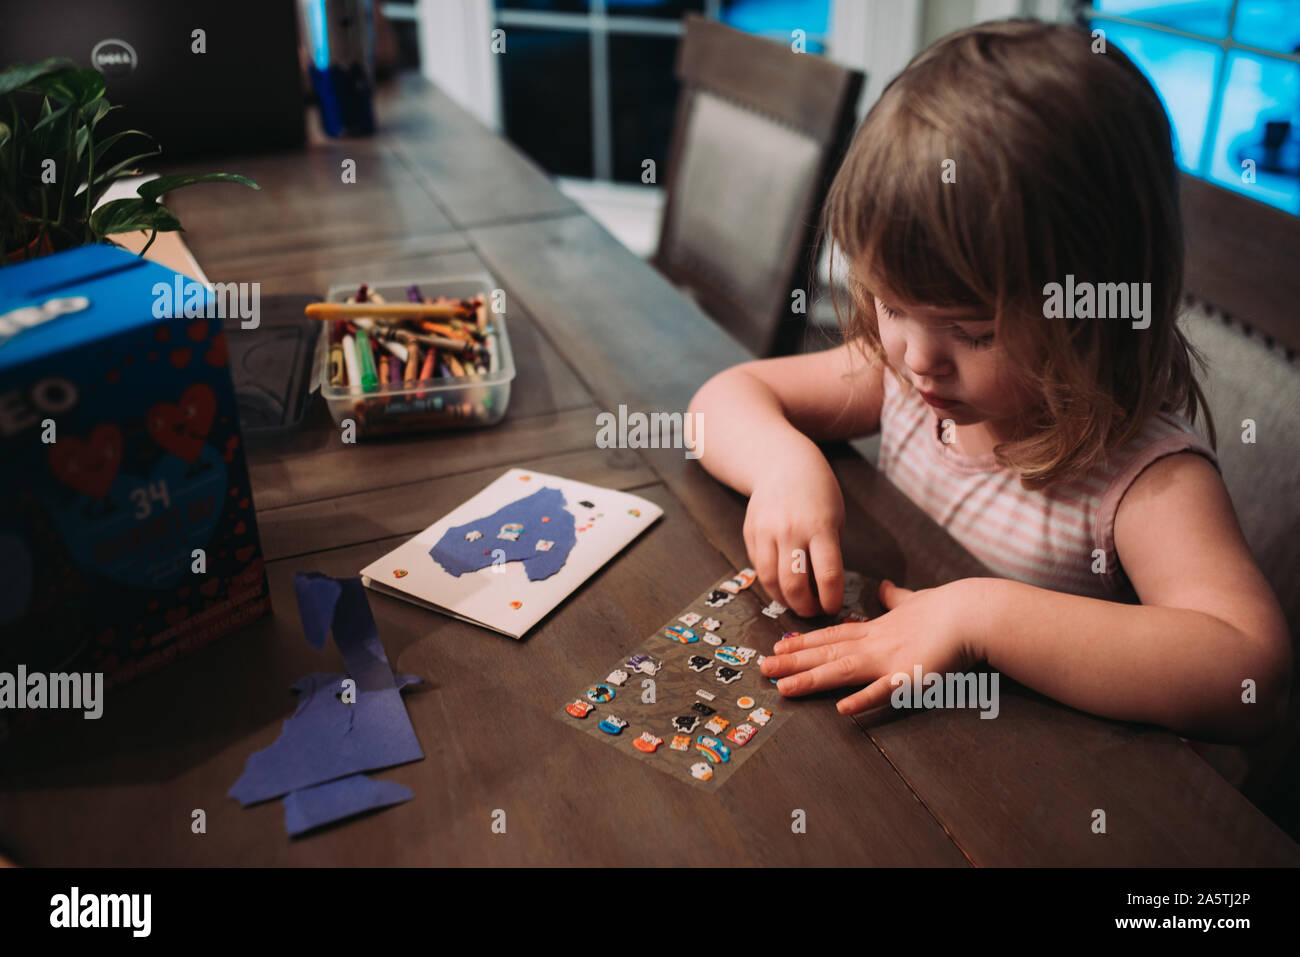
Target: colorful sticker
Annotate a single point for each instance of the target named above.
(681, 633)
(717, 724)
(644, 664)
(681, 742)
(648, 742)
(579, 708)
(686, 723)
(706, 695)
(745, 703)
(711, 624)
(616, 678)
(760, 716)
(701, 771)
(689, 618)
(774, 610)
(612, 725)
(698, 663)
(713, 749)
(510, 531)
(728, 675)
(600, 693)
(741, 733)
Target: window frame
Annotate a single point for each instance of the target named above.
(1240, 251)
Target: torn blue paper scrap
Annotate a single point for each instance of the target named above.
(313, 807)
(514, 531)
(327, 738)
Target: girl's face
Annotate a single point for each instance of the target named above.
(952, 360)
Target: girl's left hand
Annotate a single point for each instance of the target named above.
(936, 628)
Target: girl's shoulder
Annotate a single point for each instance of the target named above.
(1163, 435)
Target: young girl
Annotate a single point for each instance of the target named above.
(1051, 439)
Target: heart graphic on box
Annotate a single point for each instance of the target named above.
(88, 465)
(147, 539)
(182, 427)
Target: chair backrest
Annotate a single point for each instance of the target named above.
(1252, 385)
(759, 132)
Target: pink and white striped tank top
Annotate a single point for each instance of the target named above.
(1044, 537)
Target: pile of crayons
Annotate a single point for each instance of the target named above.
(393, 349)
(456, 339)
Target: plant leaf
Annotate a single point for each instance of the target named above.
(72, 85)
(23, 74)
(165, 184)
(124, 215)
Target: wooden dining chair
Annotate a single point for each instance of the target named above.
(759, 133)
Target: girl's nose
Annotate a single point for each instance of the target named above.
(927, 358)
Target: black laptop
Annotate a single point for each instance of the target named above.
(244, 94)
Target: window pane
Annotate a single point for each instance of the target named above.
(1270, 24)
(1209, 17)
(1260, 122)
(1182, 71)
(665, 9)
(778, 18)
(540, 69)
(545, 6)
(642, 102)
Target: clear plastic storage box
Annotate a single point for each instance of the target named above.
(427, 404)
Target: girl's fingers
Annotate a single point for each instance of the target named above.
(874, 695)
(793, 572)
(891, 595)
(764, 558)
(828, 567)
(774, 666)
(850, 669)
(846, 631)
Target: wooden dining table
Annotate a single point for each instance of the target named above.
(593, 328)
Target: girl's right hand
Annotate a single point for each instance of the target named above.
(792, 533)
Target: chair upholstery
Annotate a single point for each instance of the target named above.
(1247, 379)
(759, 132)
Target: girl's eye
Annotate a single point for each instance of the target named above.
(975, 342)
(884, 307)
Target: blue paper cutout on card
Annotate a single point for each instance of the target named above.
(310, 808)
(521, 524)
(326, 739)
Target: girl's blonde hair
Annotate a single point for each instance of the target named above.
(1063, 164)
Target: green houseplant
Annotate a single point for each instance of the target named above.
(51, 174)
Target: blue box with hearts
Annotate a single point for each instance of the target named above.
(127, 530)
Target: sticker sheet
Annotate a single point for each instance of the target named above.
(689, 700)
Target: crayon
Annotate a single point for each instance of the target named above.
(481, 310)
(394, 369)
(350, 365)
(366, 362)
(336, 364)
(412, 362)
(396, 348)
(494, 361)
(405, 310)
(413, 293)
(361, 293)
(456, 368)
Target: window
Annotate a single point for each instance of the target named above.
(1229, 74)
(587, 86)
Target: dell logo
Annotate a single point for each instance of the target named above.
(113, 57)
